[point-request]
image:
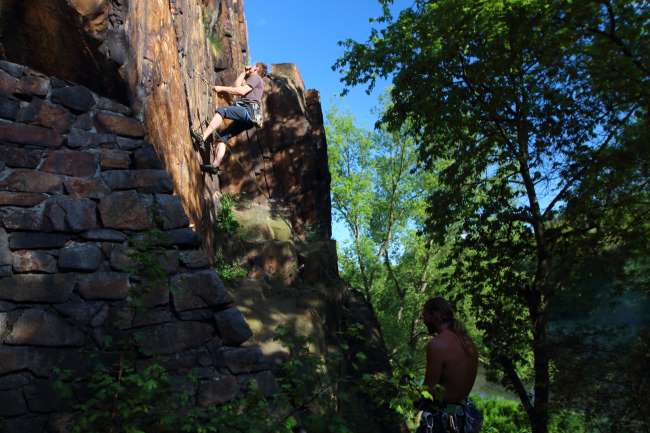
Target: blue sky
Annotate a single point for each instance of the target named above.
(306, 32)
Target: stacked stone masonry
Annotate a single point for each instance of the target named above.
(79, 186)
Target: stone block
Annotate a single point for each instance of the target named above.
(78, 138)
(30, 134)
(34, 84)
(81, 257)
(26, 261)
(195, 259)
(173, 337)
(77, 98)
(8, 83)
(200, 315)
(6, 258)
(43, 113)
(31, 181)
(13, 69)
(12, 403)
(20, 157)
(71, 214)
(84, 121)
(104, 285)
(126, 210)
(78, 310)
(23, 219)
(110, 105)
(170, 212)
(146, 157)
(106, 235)
(23, 240)
(185, 237)
(221, 389)
(241, 359)
(41, 328)
(129, 143)
(198, 290)
(232, 327)
(88, 188)
(8, 108)
(23, 199)
(41, 397)
(155, 296)
(100, 317)
(13, 381)
(51, 289)
(117, 124)
(152, 181)
(149, 318)
(120, 259)
(71, 163)
(115, 159)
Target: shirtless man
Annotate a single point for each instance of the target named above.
(452, 363)
(250, 87)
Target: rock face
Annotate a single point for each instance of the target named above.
(284, 163)
(74, 203)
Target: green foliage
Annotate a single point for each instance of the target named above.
(127, 397)
(380, 198)
(226, 228)
(530, 133)
(146, 251)
(226, 224)
(506, 416)
(210, 29)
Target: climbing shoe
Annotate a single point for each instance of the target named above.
(209, 168)
(197, 139)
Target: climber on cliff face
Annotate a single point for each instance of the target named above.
(245, 113)
(452, 363)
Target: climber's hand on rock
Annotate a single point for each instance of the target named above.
(217, 89)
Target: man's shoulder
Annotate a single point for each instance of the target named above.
(436, 344)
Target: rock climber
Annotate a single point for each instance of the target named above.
(452, 364)
(245, 113)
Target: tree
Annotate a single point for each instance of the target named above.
(516, 109)
(380, 199)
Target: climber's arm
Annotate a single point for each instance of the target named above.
(234, 90)
(241, 79)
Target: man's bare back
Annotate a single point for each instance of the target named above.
(451, 365)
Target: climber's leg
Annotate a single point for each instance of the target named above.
(218, 154)
(216, 122)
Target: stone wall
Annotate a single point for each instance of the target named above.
(79, 185)
(160, 57)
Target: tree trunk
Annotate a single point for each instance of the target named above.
(539, 416)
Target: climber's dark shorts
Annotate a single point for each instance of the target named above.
(241, 120)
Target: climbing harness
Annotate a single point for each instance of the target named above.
(451, 418)
(254, 109)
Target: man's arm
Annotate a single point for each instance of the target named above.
(240, 88)
(434, 366)
(241, 79)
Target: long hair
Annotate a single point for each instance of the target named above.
(262, 69)
(445, 311)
